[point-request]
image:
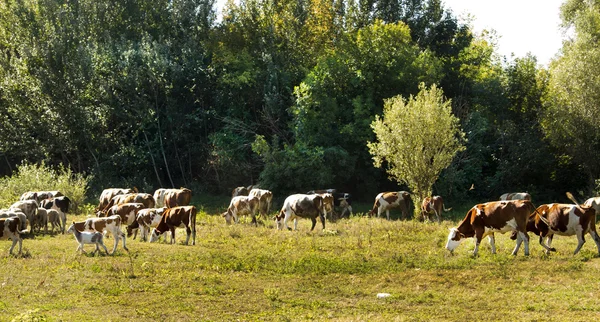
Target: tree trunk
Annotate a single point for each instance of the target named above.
(152, 158)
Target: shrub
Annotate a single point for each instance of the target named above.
(40, 177)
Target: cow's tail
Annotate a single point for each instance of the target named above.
(533, 208)
(572, 198)
(446, 210)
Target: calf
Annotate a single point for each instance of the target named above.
(111, 224)
(516, 196)
(496, 216)
(61, 205)
(41, 220)
(433, 205)
(264, 200)
(390, 200)
(9, 229)
(87, 238)
(301, 206)
(54, 219)
(241, 205)
(183, 216)
(564, 220)
(145, 219)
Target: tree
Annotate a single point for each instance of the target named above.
(417, 138)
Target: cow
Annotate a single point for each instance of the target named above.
(40, 195)
(390, 200)
(61, 205)
(301, 206)
(341, 200)
(87, 238)
(29, 208)
(487, 218)
(127, 212)
(433, 205)
(10, 229)
(145, 219)
(564, 220)
(242, 191)
(41, 220)
(265, 198)
(15, 212)
(177, 197)
(111, 224)
(241, 205)
(516, 196)
(108, 194)
(181, 216)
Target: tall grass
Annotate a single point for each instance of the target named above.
(40, 177)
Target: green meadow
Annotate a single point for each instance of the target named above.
(246, 273)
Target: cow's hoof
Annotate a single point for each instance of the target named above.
(552, 249)
(290, 229)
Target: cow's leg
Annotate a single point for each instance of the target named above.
(285, 221)
(296, 223)
(116, 243)
(387, 214)
(172, 235)
(438, 215)
(549, 243)
(14, 242)
(322, 221)
(492, 240)
(254, 222)
(314, 222)
(580, 240)
(63, 217)
(525, 239)
(188, 232)
(478, 237)
(596, 239)
(20, 241)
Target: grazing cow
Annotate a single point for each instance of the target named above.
(516, 196)
(241, 205)
(87, 237)
(301, 206)
(29, 208)
(54, 219)
(390, 200)
(433, 205)
(182, 216)
(110, 224)
(242, 191)
(60, 204)
(341, 200)
(15, 212)
(264, 200)
(126, 211)
(145, 219)
(564, 220)
(9, 229)
(108, 194)
(178, 197)
(40, 195)
(496, 216)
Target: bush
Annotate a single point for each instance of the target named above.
(40, 177)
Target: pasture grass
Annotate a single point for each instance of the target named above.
(247, 273)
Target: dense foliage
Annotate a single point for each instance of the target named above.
(153, 93)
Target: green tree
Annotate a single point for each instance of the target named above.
(417, 138)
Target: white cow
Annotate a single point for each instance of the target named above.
(301, 206)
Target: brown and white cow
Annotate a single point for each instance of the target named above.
(40, 195)
(240, 206)
(10, 229)
(343, 200)
(301, 206)
(108, 194)
(177, 197)
(487, 218)
(29, 208)
(15, 212)
(564, 220)
(182, 216)
(126, 211)
(433, 206)
(145, 220)
(111, 224)
(516, 196)
(265, 198)
(390, 200)
(242, 191)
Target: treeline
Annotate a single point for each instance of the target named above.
(153, 93)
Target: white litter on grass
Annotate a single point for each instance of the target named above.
(383, 295)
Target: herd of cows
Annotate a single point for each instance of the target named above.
(167, 209)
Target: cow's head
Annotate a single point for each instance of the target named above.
(279, 219)
(71, 228)
(454, 239)
(228, 216)
(154, 235)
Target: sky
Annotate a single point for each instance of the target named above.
(522, 25)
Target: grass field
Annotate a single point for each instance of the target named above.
(245, 273)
